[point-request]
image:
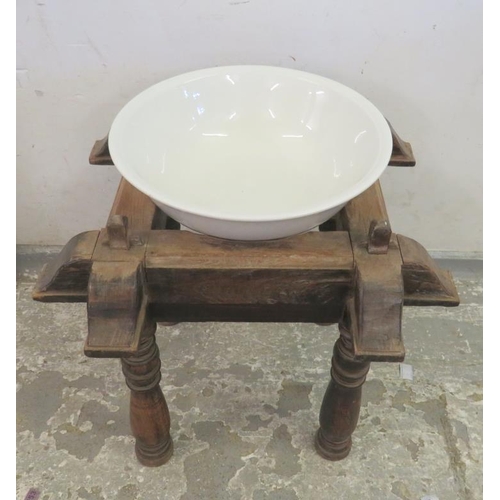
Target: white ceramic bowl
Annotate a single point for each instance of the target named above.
(250, 152)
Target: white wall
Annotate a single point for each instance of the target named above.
(419, 61)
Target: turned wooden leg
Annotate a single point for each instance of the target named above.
(149, 416)
(341, 404)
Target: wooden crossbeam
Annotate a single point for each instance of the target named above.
(197, 277)
(177, 275)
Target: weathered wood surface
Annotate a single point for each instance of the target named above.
(132, 276)
(402, 153)
(174, 259)
(142, 214)
(365, 218)
(149, 415)
(117, 229)
(342, 401)
(379, 237)
(116, 309)
(359, 214)
(65, 277)
(264, 287)
(200, 278)
(117, 295)
(370, 329)
(377, 303)
(424, 282)
(119, 321)
(186, 268)
(186, 250)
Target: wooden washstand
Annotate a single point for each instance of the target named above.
(142, 269)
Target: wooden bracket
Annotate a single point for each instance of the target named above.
(99, 155)
(117, 292)
(375, 309)
(402, 153)
(65, 278)
(116, 308)
(425, 284)
(377, 305)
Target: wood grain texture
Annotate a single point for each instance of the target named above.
(377, 305)
(377, 301)
(425, 284)
(359, 213)
(116, 309)
(186, 250)
(119, 321)
(342, 401)
(141, 212)
(141, 215)
(106, 252)
(253, 286)
(141, 269)
(149, 415)
(117, 229)
(117, 295)
(314, 270)
(65, 278)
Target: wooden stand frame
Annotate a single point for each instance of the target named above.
(142, 269)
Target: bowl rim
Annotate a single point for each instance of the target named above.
(378, 166)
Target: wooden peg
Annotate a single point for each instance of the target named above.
(379, 237)
(117, 228)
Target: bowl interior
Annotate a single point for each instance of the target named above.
(250, 143)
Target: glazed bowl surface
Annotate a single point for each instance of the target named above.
(250, 152)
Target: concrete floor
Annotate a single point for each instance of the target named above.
(244, 401)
